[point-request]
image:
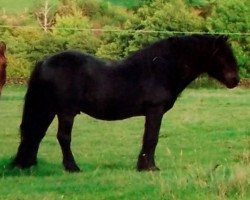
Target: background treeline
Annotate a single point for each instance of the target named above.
(93, 26)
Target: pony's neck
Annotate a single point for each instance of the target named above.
(186, 77)
(190, 66)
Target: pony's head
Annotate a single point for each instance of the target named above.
(222, 65)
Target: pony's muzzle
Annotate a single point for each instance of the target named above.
(232, 80)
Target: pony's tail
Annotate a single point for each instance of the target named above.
(38, 104)
(37, 115)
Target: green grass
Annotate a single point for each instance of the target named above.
(13, 6)
(203, 153)
(16, 6)
(126, 3)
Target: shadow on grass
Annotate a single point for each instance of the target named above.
(43, 168)
(116, 166)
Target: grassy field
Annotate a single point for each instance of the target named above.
(14, 6)
(203, 153)
(126, 3)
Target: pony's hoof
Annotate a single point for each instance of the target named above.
(72, 168)
(148, 168)
(22, 163)
(146, 163)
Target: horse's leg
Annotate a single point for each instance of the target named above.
(33, 129)
(150, 139)
(64, 137)
(38, 114)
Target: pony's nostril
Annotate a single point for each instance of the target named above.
(237, 80)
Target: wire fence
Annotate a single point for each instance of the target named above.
(241, 34)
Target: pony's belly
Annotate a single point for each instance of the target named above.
(112, 112)
(112, 117)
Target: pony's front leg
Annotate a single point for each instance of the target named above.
(152, 127)
(64, 137)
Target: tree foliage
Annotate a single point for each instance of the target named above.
(149, 18)
(77, 24)
(234, 16)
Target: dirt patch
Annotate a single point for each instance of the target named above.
(245, 83)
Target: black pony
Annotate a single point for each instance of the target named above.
(147, 83)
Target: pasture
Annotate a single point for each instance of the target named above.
(127, 3)
(12, 6)
(203, 153)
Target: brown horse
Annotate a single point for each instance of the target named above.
(3, 64)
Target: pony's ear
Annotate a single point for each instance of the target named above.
(2, 47)
(220, 41)
(222, 38)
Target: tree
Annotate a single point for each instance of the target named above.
(76, 31)
(230, 16)
(45, 15)
(149, 24)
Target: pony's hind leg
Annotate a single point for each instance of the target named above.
(38, 114)
(32, 132)
(65, 123)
